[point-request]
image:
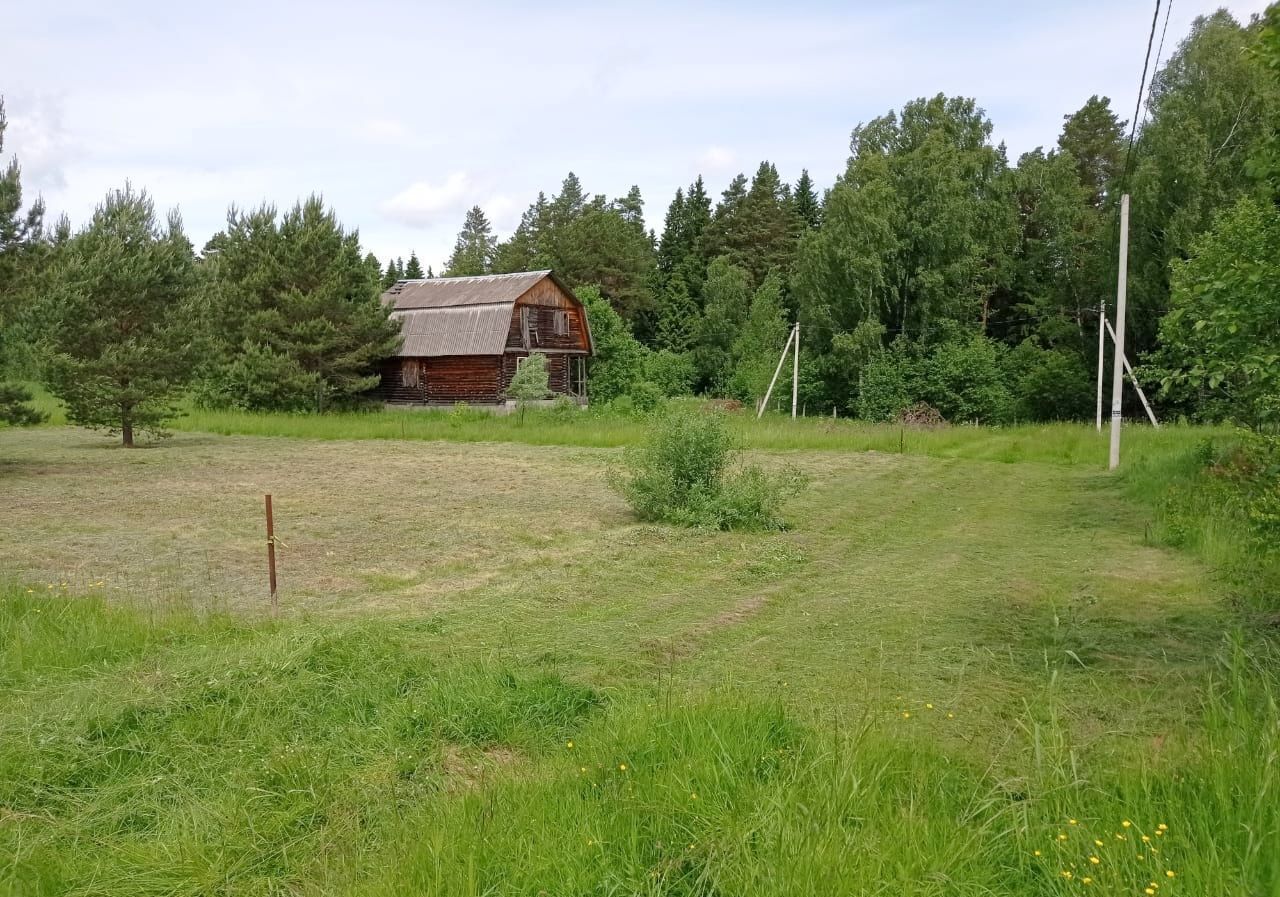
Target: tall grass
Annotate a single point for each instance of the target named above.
(191, 757)
(1067, 444)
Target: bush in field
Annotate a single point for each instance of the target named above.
(672, 372)
(530, 382)
(688, 472)
(964, 378)
(647, 396)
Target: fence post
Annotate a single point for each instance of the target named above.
(271, 558)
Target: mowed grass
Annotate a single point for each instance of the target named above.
(489, 679)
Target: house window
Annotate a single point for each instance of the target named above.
(562, 323)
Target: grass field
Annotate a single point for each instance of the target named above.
(971, 647)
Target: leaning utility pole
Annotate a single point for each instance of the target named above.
(782, 359)
(1117, 367)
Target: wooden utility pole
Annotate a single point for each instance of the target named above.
(1102, 320)
(795, 373)
(271, 558)
(1117, 367)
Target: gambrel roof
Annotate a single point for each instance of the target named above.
(459, 315)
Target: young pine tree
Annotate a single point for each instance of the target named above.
(124, 338)
(294, 312)
(20, 248)
(413, 270)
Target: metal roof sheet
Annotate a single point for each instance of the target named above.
(456, 330)
(451, 292)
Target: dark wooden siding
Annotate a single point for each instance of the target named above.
(543, 301)
(463, 378)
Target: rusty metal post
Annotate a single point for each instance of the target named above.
(271, 558)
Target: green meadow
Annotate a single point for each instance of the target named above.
(976, 663)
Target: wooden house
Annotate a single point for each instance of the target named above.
(464, 337)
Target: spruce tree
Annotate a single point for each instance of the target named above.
(757, 346)
(413, 270)
(294, 313)
(391, 276)
(677, 316)
(804, 199)
(20, 248)
(523, 250)
(728, 298)
(474, 249)
(672, 244)
(125, 333)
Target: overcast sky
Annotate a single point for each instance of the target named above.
(405, 114)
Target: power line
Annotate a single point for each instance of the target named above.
(1168, 10)
(1137, 109)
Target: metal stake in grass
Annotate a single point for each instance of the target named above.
(271, 558)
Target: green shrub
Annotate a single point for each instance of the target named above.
(646, 396)
(671, 372)
(688, 472)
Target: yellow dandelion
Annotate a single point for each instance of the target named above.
(694, 795)
(569, 745)
(1149, 891)
(1141, 857)
(1146, 839)
(1066, 873)
(582, 769)
(928, 706)
(1094, 860)
(1162, 827)
(1097, 842)
(1120, 837)
(1035, 853)
(1153, 884)
(1087, 880)
(1072, 822)
(622, 767)
(1062, 836)
(29, 591)
(906, 714)
(1160, 833)
(1169, 873)
(1126, 823)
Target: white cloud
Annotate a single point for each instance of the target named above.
(717, 160)
(40, 140)
(422, 203)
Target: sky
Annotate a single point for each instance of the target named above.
(403, 115)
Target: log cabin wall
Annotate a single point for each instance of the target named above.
(464, 378)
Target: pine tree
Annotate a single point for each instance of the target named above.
(804, 198)
(672, 246)
(1094, 136)
(474, 250)
(124, 332)
(569, 203)
(631, 208)
(20, 245)
(413, 270)
(389, 279)
(294, 313)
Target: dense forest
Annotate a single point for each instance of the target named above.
(935, 270)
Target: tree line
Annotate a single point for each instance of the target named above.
(934, 271)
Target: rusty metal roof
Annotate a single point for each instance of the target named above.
(451, 292)
(458, 330)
